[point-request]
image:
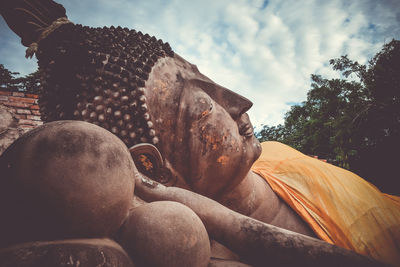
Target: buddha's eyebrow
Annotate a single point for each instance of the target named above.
(234, 103)
(214, 90)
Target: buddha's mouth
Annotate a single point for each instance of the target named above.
(245, 126)
(246, 130)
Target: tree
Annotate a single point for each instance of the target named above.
(276, 133)
(7, 79)
(379, 119)
(355, 124)
(29, 83)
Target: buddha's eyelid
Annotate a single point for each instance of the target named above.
(206, 112)
(210, 89)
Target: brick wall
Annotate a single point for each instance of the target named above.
(24, 108)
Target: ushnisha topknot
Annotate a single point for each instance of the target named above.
(91, 74)
(98, 75)
(32, 19)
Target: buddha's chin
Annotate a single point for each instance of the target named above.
(254, 147)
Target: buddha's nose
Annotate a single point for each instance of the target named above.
(232, 102)
(235, 104)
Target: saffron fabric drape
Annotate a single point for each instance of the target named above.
(341, 207)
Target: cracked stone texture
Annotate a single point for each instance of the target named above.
(9, 130)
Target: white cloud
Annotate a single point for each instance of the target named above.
(265, 52)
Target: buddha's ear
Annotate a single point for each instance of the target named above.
(148, 161)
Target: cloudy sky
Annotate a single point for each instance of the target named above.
(264, 50)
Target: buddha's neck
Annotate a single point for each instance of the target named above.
(254, 197)
(250, 196)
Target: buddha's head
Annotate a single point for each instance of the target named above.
(204, 131)
(136, 87)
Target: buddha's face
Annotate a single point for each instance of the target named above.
(204, 131)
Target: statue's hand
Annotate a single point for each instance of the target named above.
(148, 189)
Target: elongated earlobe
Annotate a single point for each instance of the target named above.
(149, 162)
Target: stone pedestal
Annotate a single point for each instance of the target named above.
(74, 252)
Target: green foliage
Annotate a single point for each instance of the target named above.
(354, 124)
(7, 79)
(29, 83)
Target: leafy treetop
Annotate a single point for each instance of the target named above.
(354, 124)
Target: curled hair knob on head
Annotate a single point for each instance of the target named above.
(29, 18)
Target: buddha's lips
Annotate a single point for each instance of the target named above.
(246, 129)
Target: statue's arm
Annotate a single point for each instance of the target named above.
(257, 243)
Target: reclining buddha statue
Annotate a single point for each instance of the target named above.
(144, 160)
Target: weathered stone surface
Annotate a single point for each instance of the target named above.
(9, 130)
(226, 263)
(78, 252)
(166, 234)
(64, 180)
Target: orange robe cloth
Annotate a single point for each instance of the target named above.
(341, 207)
